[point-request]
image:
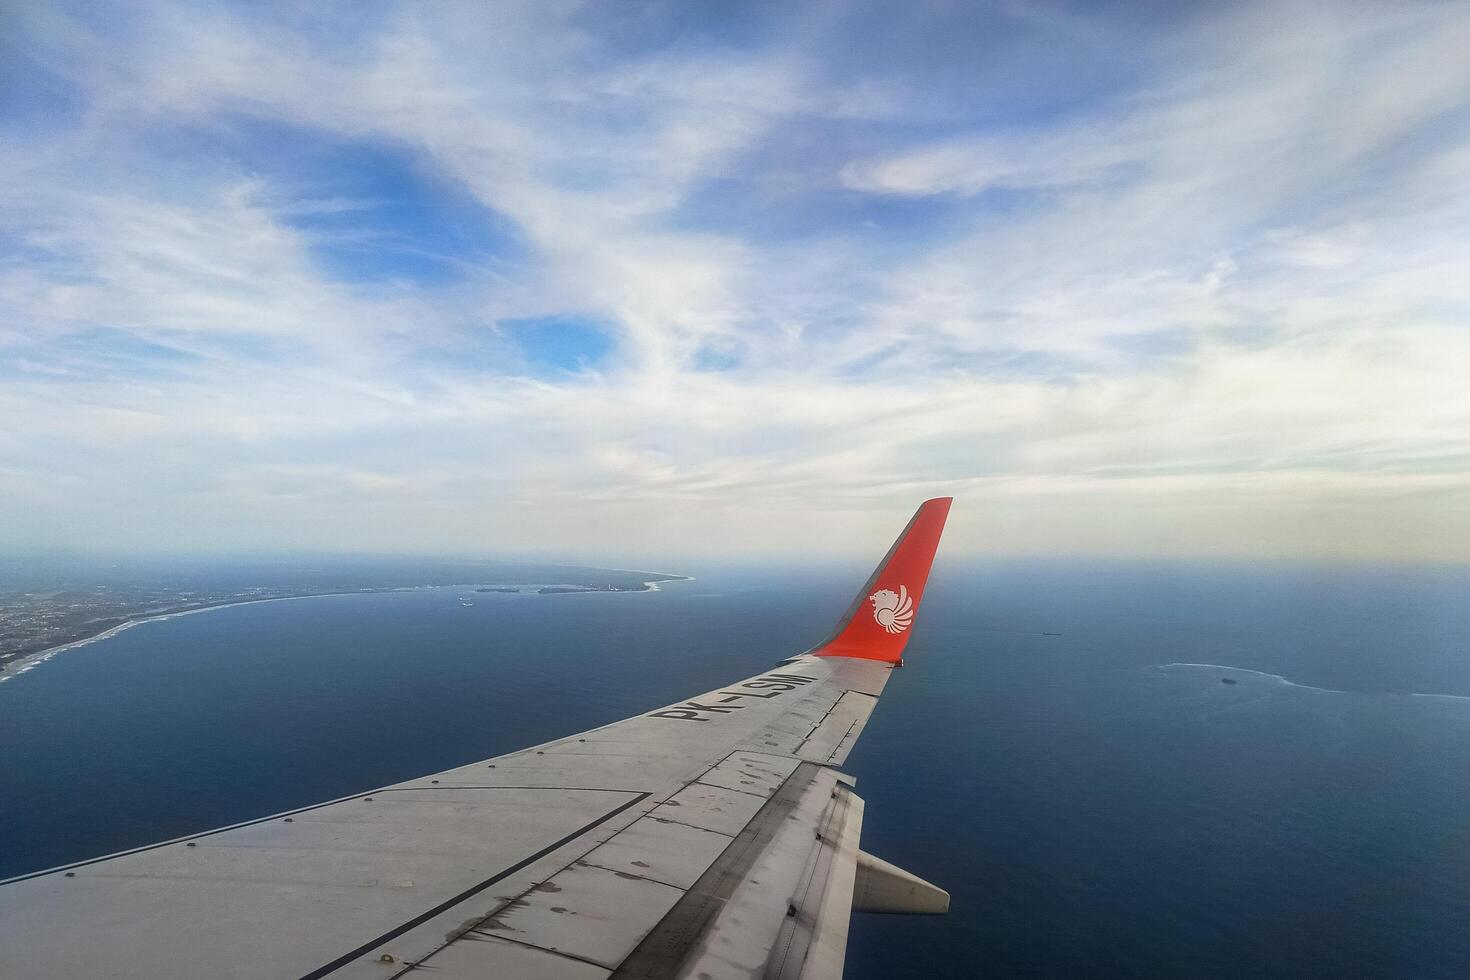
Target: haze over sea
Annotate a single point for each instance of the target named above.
(1060, 753)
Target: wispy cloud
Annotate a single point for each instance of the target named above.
(532, 277)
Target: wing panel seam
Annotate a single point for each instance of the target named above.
(644, 796)
(525, 945)
(666, 946)
(468, 893)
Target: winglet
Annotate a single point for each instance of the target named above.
(876, 625)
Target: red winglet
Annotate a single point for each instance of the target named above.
(877, 624)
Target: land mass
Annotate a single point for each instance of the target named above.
(50, 603)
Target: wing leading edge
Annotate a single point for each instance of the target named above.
(713, 838)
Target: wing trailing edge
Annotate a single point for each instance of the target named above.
(877, 624)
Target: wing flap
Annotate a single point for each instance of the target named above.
(728, 924)
(814, 943)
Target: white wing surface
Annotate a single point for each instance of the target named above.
(714, 838)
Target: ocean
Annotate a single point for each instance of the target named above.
(1063, 751)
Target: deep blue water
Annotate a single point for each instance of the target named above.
(1093, 812)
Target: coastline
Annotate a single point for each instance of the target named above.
(29, 661)
(647, 586)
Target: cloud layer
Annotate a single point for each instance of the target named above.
(554, 278)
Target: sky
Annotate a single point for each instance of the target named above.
(651, 279)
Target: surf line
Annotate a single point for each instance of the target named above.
(32, 660)
(1309, 687)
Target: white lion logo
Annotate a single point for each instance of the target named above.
(893, 612)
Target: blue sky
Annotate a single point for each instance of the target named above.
(652, 278)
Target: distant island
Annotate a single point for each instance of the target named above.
(50, 604)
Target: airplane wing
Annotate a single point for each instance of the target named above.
(713, 838)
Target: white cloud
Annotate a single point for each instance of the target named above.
(1221, 312)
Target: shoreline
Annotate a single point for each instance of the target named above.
(30, 661)
(648, 587)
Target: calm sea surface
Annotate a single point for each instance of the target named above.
(1093, 810)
